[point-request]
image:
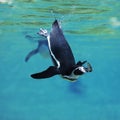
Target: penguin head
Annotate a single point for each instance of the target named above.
(81, 69)
(75, 74)
(77, 71)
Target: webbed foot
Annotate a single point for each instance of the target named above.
(43, 32)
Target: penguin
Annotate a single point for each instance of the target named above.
(62, 57)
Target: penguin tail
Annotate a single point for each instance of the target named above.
(51, 71)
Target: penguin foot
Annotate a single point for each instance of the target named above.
(43, 32)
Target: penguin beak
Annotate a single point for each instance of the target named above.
(89, 68)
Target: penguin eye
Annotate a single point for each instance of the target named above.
(78, 72)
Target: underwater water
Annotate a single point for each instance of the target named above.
(92, 29)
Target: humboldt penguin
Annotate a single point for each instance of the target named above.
(61, 55)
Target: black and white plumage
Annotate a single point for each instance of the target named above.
(62, 56)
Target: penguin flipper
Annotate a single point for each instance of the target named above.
(37, 50)
(33, 52)
(51, 71)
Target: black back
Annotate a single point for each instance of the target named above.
(61, 49)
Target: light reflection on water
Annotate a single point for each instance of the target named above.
(30, 13)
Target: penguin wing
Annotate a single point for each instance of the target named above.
(39, 49)
(51, 71)
(33, 52)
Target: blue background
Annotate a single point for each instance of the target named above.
(92, 29)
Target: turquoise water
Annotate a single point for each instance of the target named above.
(92, 29)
